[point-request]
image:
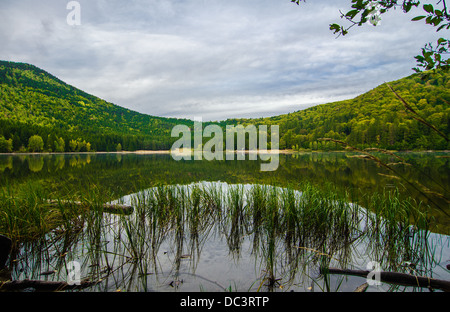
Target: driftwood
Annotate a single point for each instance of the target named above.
(396, 278)
(43, 285)
(362, 288)
(109, 208)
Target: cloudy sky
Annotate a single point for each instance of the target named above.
(212, 59)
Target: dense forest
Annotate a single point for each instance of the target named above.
(377, 118)
(35, 103)
(39, 112)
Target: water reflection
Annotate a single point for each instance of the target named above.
(122, 174)
(217, 237)
(35, 163)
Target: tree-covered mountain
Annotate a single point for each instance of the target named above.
(35, 103)
(377, 118)
(39, 112)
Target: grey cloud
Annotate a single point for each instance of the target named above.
(210, 58)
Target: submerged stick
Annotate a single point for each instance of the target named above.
(43, 285)
(396, 278)
(362, 288)
(109, 208)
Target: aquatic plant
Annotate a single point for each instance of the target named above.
(291, 231)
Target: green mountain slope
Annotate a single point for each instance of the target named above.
(374, 119)
(33, 101)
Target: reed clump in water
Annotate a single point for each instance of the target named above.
(29, 212)
(289, 229)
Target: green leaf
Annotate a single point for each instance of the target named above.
(351, 13)
(436, 21)
(428, 8)
(418, 18)
(335, 27)
(407, 7)
(442, 26)
(441, 41)
(437, 58)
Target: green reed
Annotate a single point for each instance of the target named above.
(25, 214)
(290, 229)
(31, 211)
(389, 231)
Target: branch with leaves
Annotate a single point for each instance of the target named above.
(370, 11)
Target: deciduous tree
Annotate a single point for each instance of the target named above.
(35, 144)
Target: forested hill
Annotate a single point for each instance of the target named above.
(34, 102)
(374, 119)
(39, 112)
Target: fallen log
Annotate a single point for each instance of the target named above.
(108, 208)
(395, 278)
(46, 286)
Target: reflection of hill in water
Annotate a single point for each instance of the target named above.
(124, 174)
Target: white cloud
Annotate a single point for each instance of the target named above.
(210, 58)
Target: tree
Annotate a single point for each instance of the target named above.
(370, 11)
(35, 144)
(81, 145)
(6, 146)
(119, 147)
(60, 145)
(17, 142)
(73, 145)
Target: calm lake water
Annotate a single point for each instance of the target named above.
(212, 260)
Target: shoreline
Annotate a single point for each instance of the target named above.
(140, 152)
(168, 152)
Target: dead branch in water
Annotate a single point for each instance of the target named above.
(47, 286)
(109, 208)
(396, 278)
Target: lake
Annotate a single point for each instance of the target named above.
(230, 247)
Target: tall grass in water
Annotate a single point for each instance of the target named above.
(390, 235)
(235, 220)
(30, 211)
(288, 225)
(290, 231)
(26, 214)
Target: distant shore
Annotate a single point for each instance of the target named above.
(168, 152)
(144, 152)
